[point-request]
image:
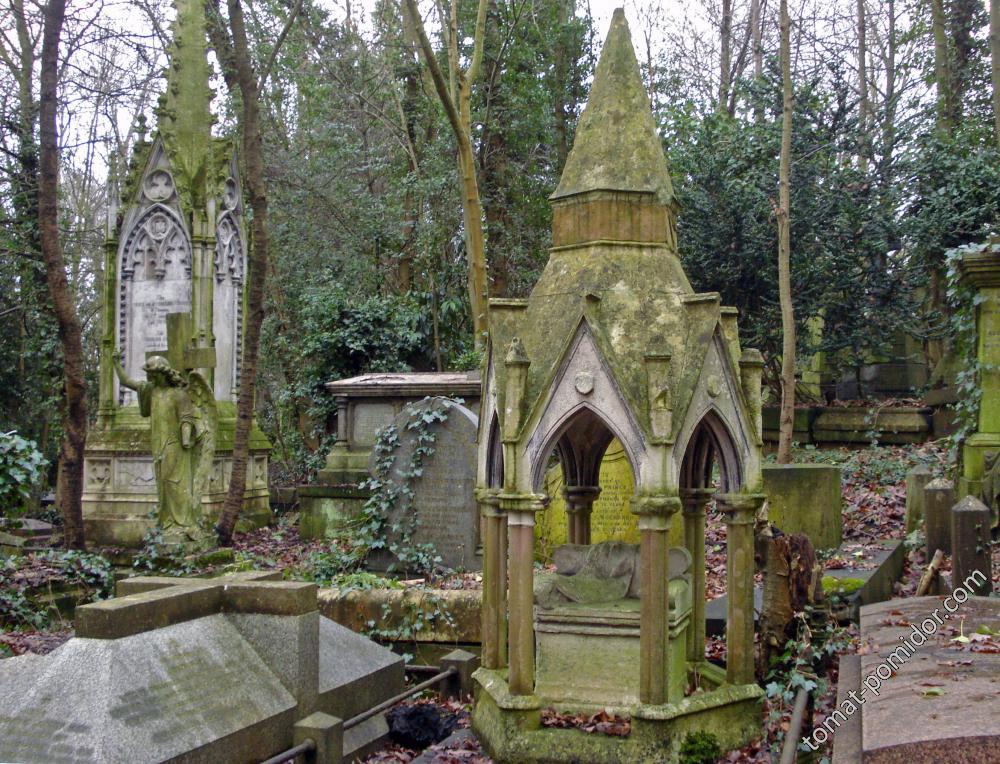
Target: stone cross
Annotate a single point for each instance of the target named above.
(145, 603)
(182, 353)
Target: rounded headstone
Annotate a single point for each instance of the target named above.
(443, 506)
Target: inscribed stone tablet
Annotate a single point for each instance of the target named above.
(366, 421)
(443, 509)
(611, 517)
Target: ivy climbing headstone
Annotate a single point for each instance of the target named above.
(424, 477)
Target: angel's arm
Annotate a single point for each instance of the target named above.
(123, 378)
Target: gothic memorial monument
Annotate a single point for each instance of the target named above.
(177, 246)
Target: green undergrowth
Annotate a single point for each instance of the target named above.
(874, 465)
(28, 584)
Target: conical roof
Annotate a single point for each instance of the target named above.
(617, 147)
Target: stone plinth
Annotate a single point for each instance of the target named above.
(119, 494)
(916, 479)
(324, 510)
(971, 564)
(806, 498)
(939, 498)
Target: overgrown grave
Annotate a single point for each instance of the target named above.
(422, 512)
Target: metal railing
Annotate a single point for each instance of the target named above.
(309, 745)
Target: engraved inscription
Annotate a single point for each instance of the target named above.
(30, 734)
(367, 420)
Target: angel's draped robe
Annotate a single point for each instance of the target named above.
(168, 408)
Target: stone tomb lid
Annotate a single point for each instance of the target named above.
(449, 383)
(905, 721)
(146, 697)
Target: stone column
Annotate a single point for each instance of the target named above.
(739, 511)
(338, 460)
(980, 269)
(341, 401)
(694, 501)
(493, 522)
(520, 510)
(579, 506)
(654, 630)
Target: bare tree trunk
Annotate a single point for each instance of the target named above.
(943, 72)
(246, 80)
(458, 110)
(565, 10)
(756, 32)
(791, 582)
(864, 105)
(757, 53)
(69, 486)
(787, 417)
(725, 55)
(995, 65)
(889, 116)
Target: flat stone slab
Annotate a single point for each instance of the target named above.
(941, 699)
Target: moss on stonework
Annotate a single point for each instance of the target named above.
(628, 157)
(842, 586)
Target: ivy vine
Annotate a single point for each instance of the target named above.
(387, 520)
(964, 301)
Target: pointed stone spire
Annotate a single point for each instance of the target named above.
(185, 116)
(617, 147)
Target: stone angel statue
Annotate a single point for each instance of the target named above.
(183, 422)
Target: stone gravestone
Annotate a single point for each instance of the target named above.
(611, 518)
(442, 511)
(195, 670)
(916, 479)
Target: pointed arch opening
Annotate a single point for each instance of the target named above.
(712, 458)
(572, 471)
(494, 455)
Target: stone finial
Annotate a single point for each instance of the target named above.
(516, 355)
(617, 147)
(185, 115)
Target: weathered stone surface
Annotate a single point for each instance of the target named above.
(356, 674)
(443, 510)
(194, 670)
(939, 498)
(962, 720)
(806, 498)
(388, 609)
(971, 565)
(861, 425)
(178, 246)
(324, 510)
(191, 688)
(916, 479)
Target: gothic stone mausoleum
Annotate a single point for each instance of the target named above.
(614, 343)
(178, 245)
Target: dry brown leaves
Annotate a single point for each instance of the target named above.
(602, 722)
